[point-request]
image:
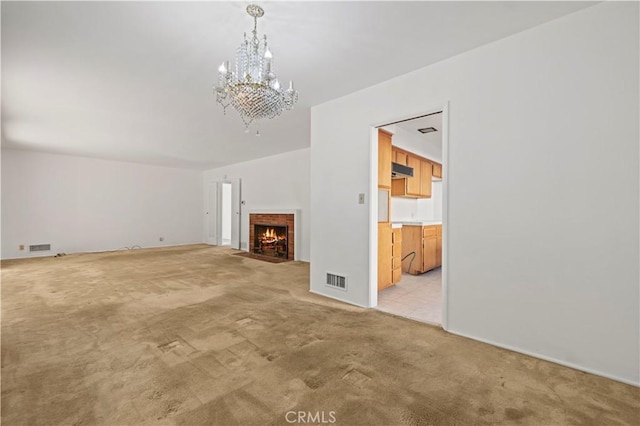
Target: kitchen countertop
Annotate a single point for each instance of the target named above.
(418, 222)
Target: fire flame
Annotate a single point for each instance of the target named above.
(270, 235)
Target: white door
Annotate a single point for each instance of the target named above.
(212, 213)
(236, 213)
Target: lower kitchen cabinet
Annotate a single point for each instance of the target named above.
(426, 243)
(429, 248)
(389, 255)
(439, 245)
(385, 255)
(396, 251)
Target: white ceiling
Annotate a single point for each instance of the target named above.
(431, 120)
(132, 80)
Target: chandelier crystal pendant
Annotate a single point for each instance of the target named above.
(253, 88)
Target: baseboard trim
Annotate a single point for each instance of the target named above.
(52, 253)
(547, 358)
(348, 302)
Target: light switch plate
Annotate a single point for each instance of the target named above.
(361, 198)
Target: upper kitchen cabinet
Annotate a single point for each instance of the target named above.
(418, 186)
(414, 184)
(437, 171)
(384, 159)
(426, 171)
(399, 156)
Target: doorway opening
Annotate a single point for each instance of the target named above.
(223, 213)
(226, 213)
(410, 217)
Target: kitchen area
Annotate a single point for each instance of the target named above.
(410, 218)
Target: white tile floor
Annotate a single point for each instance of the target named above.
(417, 297)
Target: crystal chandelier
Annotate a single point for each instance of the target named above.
(253, 88)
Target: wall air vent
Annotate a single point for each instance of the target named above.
(40, 247)
(336, 281)
(427, 130)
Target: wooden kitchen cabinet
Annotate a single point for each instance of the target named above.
(429, 248)
(386, 236)
(385, 255)
(424, 242)
(396, 251)
(384, 159)
(426, 169)
(437, 170)
(409, 187)
(389, 255)
(414, 184)
(399, 187)
(439, 246)
(418, 186)
(411, 249)
(399, 156)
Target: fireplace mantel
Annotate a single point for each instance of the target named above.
(296, 226)
(294, 212)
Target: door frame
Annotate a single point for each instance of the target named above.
(236, 211)
(373, 205)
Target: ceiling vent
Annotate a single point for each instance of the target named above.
(427, 130)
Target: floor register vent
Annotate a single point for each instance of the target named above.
(337, 281)
(40, 247)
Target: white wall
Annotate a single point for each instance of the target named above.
(411, 209)
(404, 209)
(83, 204)
(277, 182)
(543, 142)
(434, 204)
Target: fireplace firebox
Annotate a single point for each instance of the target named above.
(272, 234)
(271, 240)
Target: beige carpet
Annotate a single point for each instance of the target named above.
(197, 336)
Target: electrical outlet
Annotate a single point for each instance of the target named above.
(21, 247)
(361, 198)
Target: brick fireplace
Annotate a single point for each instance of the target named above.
(272, 234)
